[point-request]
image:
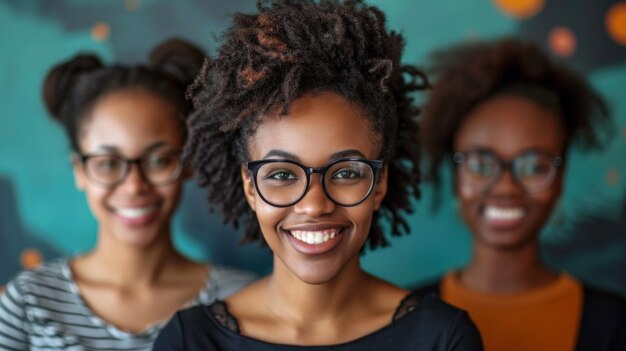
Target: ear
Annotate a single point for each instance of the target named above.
(248, 187)
(80, 179)
(380, 188)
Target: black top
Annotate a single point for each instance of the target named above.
(603, 322)
(419, 324)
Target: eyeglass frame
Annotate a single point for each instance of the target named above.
(128, 163)
(507, 165)
(376, 166)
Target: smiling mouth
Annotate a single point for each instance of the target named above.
(315, 237)
(135, 212)
(504, 213)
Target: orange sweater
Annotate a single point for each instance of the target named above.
(546, 318)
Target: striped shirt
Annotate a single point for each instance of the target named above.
(43, 310)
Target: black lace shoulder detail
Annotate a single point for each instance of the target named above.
(219, 310)
(407, 305)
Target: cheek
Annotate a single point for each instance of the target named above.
(96, 199)
(468, 202)
(171, 193)
(269, 217)
(361, 216)
(546, 201)
(466, 195)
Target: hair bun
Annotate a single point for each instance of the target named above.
(60, 79)
(178, 58)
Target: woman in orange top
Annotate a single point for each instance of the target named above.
(506, 116)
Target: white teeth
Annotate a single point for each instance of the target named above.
(314, 237)
(134, 212)
(499, 213)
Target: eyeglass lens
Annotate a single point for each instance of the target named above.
(284, 183)
(157, 168)
(533, 171)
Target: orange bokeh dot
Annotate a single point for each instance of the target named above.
(30, 258)
(562, 41)
(132, 5)
(520, 9)
(612, 177)
(615, 22)
(100, 31)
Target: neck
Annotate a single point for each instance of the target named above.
(304, 305)
(125, 265)
(500, 270)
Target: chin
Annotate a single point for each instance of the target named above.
(315, 276)
(139, 238)
(506, 240)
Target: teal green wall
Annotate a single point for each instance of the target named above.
(40, 208)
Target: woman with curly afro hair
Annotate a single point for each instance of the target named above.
(505, 116)
(304, 133)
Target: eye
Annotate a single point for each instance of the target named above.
(281, 175)
(160, 161)
(481, 166)
(106, 164)
(346, 173)
(533, 167)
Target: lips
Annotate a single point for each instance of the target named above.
(315, 240)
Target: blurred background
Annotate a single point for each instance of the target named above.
(43, 216)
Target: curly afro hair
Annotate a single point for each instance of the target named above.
(469, 74)
(268, 60)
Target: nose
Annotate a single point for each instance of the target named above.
(315, 202)
(134, 182)
(505, 184)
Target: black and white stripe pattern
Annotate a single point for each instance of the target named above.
(42, 310)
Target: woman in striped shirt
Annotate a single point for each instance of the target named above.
(126, 136)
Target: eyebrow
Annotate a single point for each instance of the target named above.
(281, 154)
(346, 153)
(333, 157)
(146, 150)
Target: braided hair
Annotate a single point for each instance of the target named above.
(290, 48)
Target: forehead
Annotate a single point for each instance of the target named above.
(317, 126)
(129, 120)
(509, 125)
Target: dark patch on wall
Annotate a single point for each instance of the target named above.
(594, 248)
(15, 235)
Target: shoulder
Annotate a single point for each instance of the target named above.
(431, 320)
(429, 288)
(608, 307)
(47, 278)
(224, 281)
(195, 314)
(32, 294)
(187, 320)
(437, 310)
(601, 298)
(603, 323)
(193, 328)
